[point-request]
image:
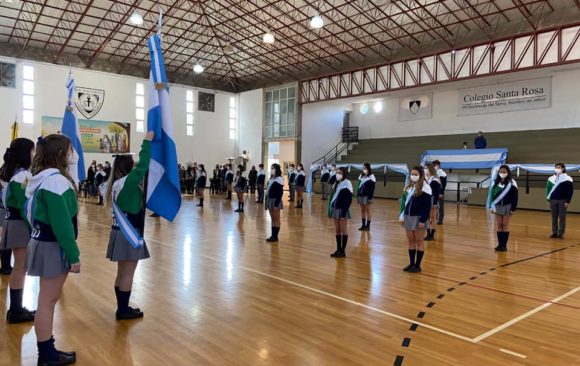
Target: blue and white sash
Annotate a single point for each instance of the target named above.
(502, 195)
(128, 230)
(407, 200)
(345, 183)
(558, 179)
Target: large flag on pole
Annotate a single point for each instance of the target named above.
(70, 128)
(14, 131)
(163, 191)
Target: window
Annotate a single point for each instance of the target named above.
(140, 107)
(189, 118)
(233, 118)
(28, 94)
(280, 113)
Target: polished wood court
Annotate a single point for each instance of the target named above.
(215, 293)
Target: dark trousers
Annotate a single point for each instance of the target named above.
(292, 189)
(252, 188)
(558, 216)
(260, 193)
(325, 190)
(441, 212)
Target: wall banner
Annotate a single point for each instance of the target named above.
(96, 136)
(506, 97)
(415, 108)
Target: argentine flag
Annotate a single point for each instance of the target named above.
(70, 128)
(163, 191)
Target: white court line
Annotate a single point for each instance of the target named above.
(513, 353)
(328, 294)
(524, 316)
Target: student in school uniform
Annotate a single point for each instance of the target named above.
(443, 179)
(125, 195)
(260, 181)
(274, 205)
(223, 173)
(300, 185)
(200, 183)
(559, 192)
(5, 255)
(340, 211)
(364, 194)
(331, 178)
(229, 179)
(241, 184)
(15, 231)
(433, 181)
(504, 201)
(291, 178)
(414, 216)
(324, 175)
(252, 178)
(53, 252)
(100, 178)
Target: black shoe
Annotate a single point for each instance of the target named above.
(553, 236)
(340, 255)
(408, 268)
(335, 254)
(366, 228)
(241, 210)
(130, 314)
(6, 271)
(362, 228)
(415, 269)
(64, 358)
(439, 222)
(22, 316)
(238, 210)
(199, 205)
(428, 238)
(561, 236)
(153, 215)
(272, 240)
(500, 249)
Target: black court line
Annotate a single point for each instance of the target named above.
(398, 361)
(421, 315)
(406, 342)
(534, 257)
(430, 305)
(414, 327)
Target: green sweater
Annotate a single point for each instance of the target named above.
(130, 197)
(56, 205)
(15, 194)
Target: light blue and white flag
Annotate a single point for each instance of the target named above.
(466, 158)
(163, 191)
(70, 128)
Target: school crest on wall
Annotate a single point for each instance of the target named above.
(414, 106)
(89, 101)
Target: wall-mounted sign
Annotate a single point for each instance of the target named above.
(96, 136)
(206, 102)
(415, 108)
(506, 97)
(89, 101)
(7, 75)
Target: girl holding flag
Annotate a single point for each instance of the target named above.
(414, 216)
(433, 181)
(274, 193)
(126, 245)
(503, 203)
(15, 232)
(364, 194)
(559, 191)
(339, 210)
(51, 209)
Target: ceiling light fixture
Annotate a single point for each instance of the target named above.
(136, 18)
(378, 106)
(316, 22)
(198, 69)
(228, 49)
(268, 37)
(364, 108)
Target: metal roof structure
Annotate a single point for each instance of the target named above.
(97, 34)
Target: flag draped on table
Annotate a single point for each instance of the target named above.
(70, 128)
(163, 190)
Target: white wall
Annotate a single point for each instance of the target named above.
(321, 121)
(251, 106)
(210, 143)
(321, 128)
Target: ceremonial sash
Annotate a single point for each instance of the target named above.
(557, 182)
(407, 200)
(501, 196)
(127, 229)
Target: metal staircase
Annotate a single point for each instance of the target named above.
(348, 139)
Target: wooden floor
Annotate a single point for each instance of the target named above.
(214, 293)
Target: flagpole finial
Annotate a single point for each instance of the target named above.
(160, 22)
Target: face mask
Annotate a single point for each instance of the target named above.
(558, 170)
(73, 158)
(414, 178)
(365, 171)
(339, 176)
(272, 172)
(503, 175)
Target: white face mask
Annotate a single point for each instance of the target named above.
(365, 171)
(558, 170)
(414, 178)
(339, 176)
(272, 172)
(73, 158)
(503, 175)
